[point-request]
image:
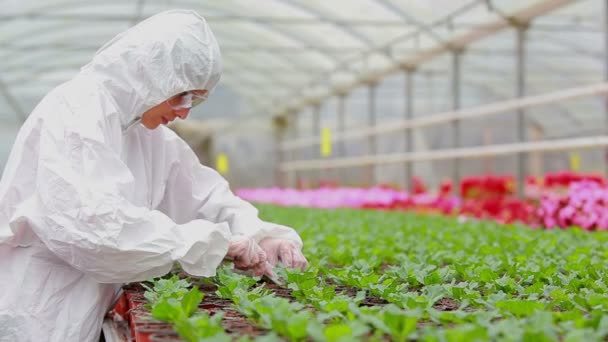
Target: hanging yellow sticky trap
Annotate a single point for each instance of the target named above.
(575, 162)
(222, 164)
(325, 142)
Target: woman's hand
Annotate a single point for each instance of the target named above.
(247, 255)
(285, 251)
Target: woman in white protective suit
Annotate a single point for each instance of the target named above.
(97, 192)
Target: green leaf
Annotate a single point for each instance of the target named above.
(487, 275)
(339, 304)
(458, 293)
(519, 308)
(297, 325)
(585, 334)
(466, 333)
(432, 278)
(337, 332)
(595, 299)
(400, 325)
(559, 295)
(536, 336)
(168, 310)
(191, 300)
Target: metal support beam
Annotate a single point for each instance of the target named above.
(283, 20)
(372, 141)
(341, 128)
(409, 132)
(341, 124)
(314, 12)
(605, 156)
(568, 24)
(456, 83)
(316, 125)
(430, 85)
(521, 117)
(492, 109)
(295, 154)
(456, 41)
(139, 9)
(477, 152)
(279, 179)
(316, 131)
(10, 49)
(280, 125)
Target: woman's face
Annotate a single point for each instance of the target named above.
(167, 111)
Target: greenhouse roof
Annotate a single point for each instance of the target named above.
(281, 55)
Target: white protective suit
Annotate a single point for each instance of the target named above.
(89, 200)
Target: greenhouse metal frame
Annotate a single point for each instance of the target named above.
(300, 62)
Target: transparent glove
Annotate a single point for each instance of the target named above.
(285, 251)
(247, 255)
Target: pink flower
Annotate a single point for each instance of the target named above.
(602, 222)
(550, 222)
(585, 220)
(564, 217)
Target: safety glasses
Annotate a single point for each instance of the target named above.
(188, 99)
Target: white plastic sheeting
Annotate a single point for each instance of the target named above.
(282, 53)
(281, 50)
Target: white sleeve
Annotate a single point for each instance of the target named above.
(81, 215)
(194, 190)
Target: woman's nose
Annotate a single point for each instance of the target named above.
(182, 113)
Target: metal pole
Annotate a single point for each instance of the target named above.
(521, 118)
(456, 75)
(279, 138)
(316, 131)
(605, 156)
(431, 90)
(341, 124)
(409, 132)
(341, 152)
(292, 177)
(372, 146)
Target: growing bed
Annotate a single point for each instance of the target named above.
(394, 276)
